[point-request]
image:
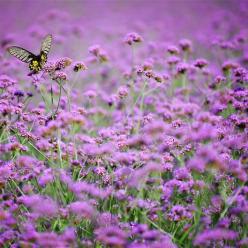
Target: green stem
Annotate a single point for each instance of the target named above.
(228, 78)
(43, 98)
(141, 106)
(60, 92)
(52, 95)
(59, 148)
(138, 98)
(231, 201)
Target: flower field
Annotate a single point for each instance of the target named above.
(133, 133)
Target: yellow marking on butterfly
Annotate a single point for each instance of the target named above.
(35, 63)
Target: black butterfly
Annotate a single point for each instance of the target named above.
(36, 62)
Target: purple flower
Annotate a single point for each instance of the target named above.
(173, 50)
(140, 175)
(40, 205)
(95, 50)
(59, 75)
(200, 63)
(107, 219)
(179, 213)
(111, 235)
(228, 65)
(211, 236)
(133, 37)
(99, 53)
(82, 209)
(49, 67)
(182, 68)
(62, 63)
(6, 81)
(173, 60)
(186, 45)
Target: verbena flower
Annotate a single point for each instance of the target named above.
(62, 63)
(211, 236)
(60, 76)
(41, 206)
(133, 37)
(200, 63)
(182, 68)
(6, 81)
(99, 53)
(111, 235)
(185, 45)
(122, 92)
(173, 49)
(82, 209)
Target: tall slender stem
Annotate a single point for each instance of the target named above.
(60, 91)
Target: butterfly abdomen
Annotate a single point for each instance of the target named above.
(35, 65)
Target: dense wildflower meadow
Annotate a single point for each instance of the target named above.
(135, 132)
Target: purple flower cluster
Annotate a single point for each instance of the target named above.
(134, 134)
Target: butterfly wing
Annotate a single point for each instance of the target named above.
(21, 53)
(46, 44)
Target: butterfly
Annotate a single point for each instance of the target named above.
(36, 62)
